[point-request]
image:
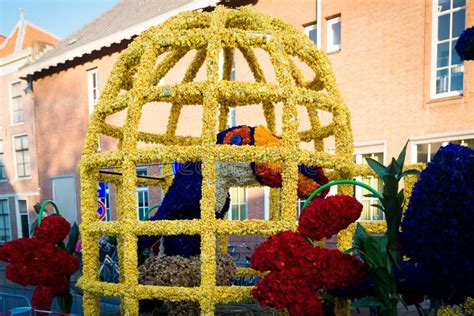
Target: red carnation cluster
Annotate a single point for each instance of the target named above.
(283, 290)
(298, 269)
(326, 217)
(40, 262)
(53, 229)
(281, 252)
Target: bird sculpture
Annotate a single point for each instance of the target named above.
(182, 201)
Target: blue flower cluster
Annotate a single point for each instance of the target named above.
(465, 45)
(437, 231)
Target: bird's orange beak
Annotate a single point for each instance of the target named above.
(269, 173)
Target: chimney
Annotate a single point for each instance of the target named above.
(22, 15)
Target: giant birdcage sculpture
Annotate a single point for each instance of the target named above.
(134, 82)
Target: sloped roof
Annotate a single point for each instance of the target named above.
(22, 36)
(9, 44)
(34, 33)
(125, 20)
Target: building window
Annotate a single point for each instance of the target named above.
(5, 228)
(312, 32)
(92, 88)
(24, 220)
(16, 105)
(232, 74)
(238, 204)
(231, 118)
(424, 152)
(369, 213)
(106, 201)
(333, 34)
(3, 173)
(23, 165)
(143, 196)
(449, 20)
(64, 195)
(300, 207)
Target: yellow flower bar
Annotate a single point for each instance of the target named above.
(133, 83)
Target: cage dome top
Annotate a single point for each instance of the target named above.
(213, 38)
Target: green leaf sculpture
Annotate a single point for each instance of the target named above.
(380, 253)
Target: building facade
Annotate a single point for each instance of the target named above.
(19, 189)
(394, 62)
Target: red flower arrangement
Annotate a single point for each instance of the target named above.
(326, 217)
(281, 252)
(283, 290)
(53, 229)
(39, 261)
(298, 269)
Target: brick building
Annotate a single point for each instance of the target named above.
(394, 62)
(19, 189)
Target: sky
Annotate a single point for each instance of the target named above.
(60, 17)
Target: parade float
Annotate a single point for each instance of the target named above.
(376, 265)
(134, 83)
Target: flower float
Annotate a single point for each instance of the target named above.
(135, 82)
(42, 260)
(299, 271)
(438, 224)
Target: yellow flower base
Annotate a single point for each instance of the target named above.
(134, 83)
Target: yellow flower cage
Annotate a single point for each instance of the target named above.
(134, 82)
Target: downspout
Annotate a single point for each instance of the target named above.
(319, 24)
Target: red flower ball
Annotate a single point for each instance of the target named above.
(330, 269)
(53, 229)
(326, 217)
(43, 295)
(283, 290)
(283, 252)
(311, 306)
(299, 271)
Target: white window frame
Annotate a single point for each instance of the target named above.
(266, 203)
(232, 116)
(434, 51)
(8, 218)
(368, 148)
(91, 88)
(300, 203)
(2, 161)
(309, 28)
(18, 215)
(246, 205)
(440, 138)
(10, 101)
(330, 46)
(14, 157)
(141, 190)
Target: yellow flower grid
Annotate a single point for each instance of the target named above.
(133, 83)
